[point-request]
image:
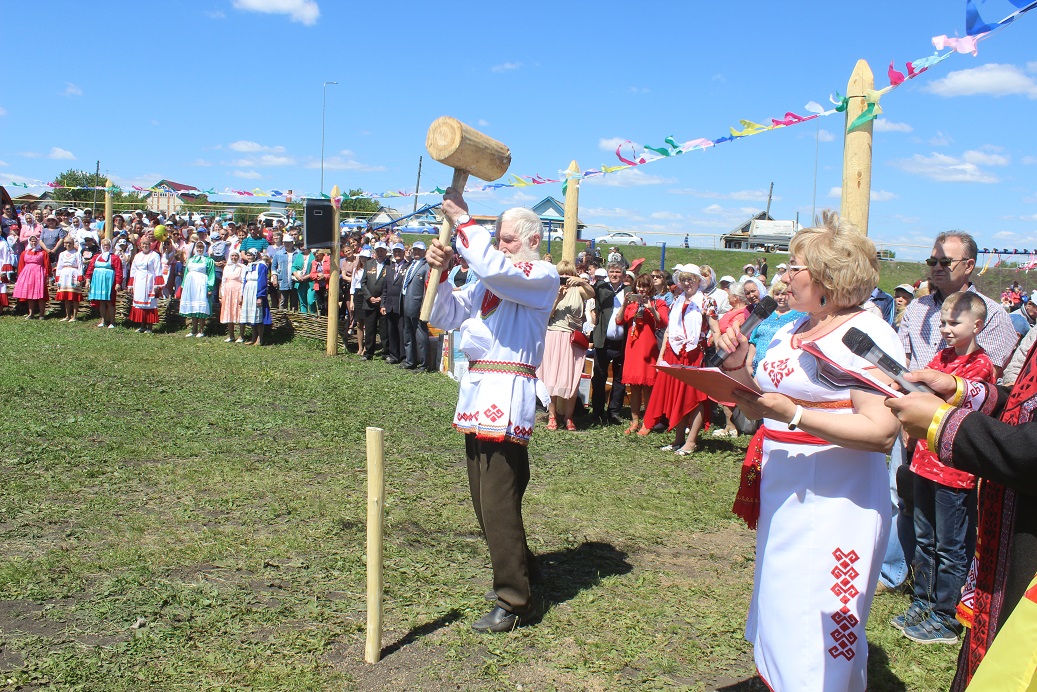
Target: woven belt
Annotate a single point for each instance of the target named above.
(501, 366)
(842, 403)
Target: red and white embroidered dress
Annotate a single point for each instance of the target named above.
(503, 321)
(824, 521)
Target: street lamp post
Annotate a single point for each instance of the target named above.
(323, 107)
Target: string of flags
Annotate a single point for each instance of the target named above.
(978, 29)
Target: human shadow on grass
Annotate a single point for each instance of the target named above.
(565, 573)
(451, 616)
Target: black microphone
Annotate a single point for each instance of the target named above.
(763, 310)
(860, 344)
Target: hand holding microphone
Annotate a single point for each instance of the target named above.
(726, 346)
(860, 344)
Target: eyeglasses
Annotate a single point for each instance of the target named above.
(942, 261)
(794, 269)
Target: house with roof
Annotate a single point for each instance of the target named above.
(169, 196)
(760, 232)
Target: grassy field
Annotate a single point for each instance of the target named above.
(189, 514)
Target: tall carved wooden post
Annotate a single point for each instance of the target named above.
(572, 209)
(857, 151)
(333, 279)
(108, 230)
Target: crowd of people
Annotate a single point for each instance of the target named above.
(837, 522)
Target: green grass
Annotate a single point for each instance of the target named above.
(186, 514)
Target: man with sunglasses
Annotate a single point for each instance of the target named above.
(951, 266)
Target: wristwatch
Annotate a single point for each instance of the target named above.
(462, 220)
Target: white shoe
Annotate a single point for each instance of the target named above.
(228, 340)
(140, 330)
(148, 331)
(200, 335)
(189, 335)
(111, 326)
(100, 325)
(719, 432)
(239, 341)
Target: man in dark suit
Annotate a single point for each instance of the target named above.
(609, 346)
(415, 332)
(373, 286)
(392, 305)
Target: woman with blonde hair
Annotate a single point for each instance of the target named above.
(643, 314)
(562, 365)
(816, 479)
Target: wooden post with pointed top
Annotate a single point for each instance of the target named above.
(857, 150)
(108, 210)
(333, 278)
(572, 209)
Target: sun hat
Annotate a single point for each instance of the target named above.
(726, 277)
(418, 246)
(907, 288)
(398, 246)
(380, 245)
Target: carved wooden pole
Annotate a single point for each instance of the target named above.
(108, 230)
(375, 513)
(857, 151)
(333, 279)
(572, 209)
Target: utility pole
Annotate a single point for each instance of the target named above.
(97, 176)
(417, 187)
(769, 195)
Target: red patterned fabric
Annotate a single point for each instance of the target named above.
(976, 367)
(843, 636)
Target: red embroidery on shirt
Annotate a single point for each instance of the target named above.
(462, 237)
(490, 302)
(777, 370)
(844, 619)
(493, 413)
(526, 267)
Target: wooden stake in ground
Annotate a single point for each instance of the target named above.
(108, 225)
(857, 151)
(375, 513)
(333, 279)
(572, 208)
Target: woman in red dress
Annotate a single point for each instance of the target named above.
(686, 336)
(643, 314)
(33, 271)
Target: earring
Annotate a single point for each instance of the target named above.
(824, 301)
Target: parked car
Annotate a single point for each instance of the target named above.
(620, 238)
(268, 218)
(552, 235)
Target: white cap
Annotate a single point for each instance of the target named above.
(728, 278)
(601, 272)
(397, 246)
(692, 269)
(905, 287)
(364, 253)
(418, 246)
(380, 246)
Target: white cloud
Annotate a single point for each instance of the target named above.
(981, 158)
(344, 162)
(154, 122)
(640, 90)
(29, 154)
(4, 164)
(59, 153)
(303, 11)
(72, 90)
(739, 195)
(609, 144)
(519, 198)
(629, 177)
(609, 213)
(480, 123)
(666, 215)
(825, 136)
(713, 209)
(215, 14)
(944, 169)
(883, 125)
(1005, 235)
(248, 175)
(990, 80)
(201, 162)
(1029, 160)
(238, 163)
(247, 147)
(941, 139)
(506, 67)
(3, 111)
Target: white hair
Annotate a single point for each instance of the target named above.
(527, 224)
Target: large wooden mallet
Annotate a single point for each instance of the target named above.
(468, 152)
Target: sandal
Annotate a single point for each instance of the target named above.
(684, 452)
(632, 429)
(552, 424)
(569, 425)
(644, 431)
(668, 448)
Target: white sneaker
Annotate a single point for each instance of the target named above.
(140, 330)
(190, 335)
(148, 331)
(111, 326)
(100, 325)
(228, 340)
(200, 335)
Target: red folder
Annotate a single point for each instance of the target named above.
(713, 382)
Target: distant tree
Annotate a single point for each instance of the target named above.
(74, 178)
(363, 205)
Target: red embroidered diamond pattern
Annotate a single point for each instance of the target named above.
(843, 635)
(462, 237)
(526, 267)
(493, 413)
(777, 370)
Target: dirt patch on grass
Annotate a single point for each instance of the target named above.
(726, 555)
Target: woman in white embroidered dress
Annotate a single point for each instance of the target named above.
(824, 508)
(68, 274)
(198, 282)
(145, 283)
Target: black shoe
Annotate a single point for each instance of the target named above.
(497, 620)
(368, 357)
(616, 420)
(391, 361)
(408, 366)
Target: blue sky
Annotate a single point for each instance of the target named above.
(227, 94)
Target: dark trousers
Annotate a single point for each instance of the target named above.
(288, 299)
(498, 473)
(373, 324)
(945, 541)
(416, 342)
(612, 352)
(394, 337)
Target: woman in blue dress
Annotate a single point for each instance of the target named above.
(255, 309)
(104, 275)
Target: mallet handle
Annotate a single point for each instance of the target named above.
(445, 231)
